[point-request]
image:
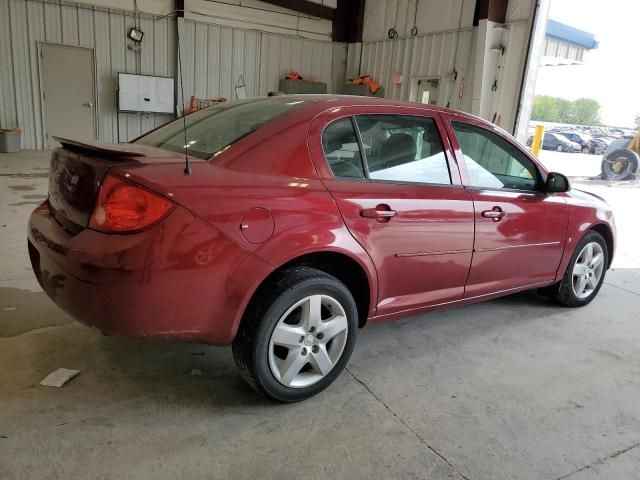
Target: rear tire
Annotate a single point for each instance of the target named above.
(585, 273)
(297, 335)
(559, 148)
(586, 150)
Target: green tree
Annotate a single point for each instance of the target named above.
(584, 111)
(565, 107)
(545, 109)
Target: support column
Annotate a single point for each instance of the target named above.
(487, 40)
(538, 26)
(179, 56)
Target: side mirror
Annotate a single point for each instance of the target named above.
(556, 183)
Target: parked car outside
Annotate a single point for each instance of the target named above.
(597, 146)
(302, 219)
(560, 143)
(585, 141)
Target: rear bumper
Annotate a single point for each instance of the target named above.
(180, 280)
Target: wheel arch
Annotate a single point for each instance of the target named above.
(338, 264)
(577, 230)
(607, 234)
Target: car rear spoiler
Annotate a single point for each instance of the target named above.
(115, 149)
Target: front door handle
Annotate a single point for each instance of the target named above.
(496, 214)
(88, 104)
(381, 213)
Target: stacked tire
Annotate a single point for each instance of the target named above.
(620, 163)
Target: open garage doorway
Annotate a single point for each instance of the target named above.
(586, 100)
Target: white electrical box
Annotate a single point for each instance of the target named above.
(145, 93)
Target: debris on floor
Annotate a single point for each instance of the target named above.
(59, 377)
(196, 372)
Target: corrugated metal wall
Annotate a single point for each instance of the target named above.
(437, 55)
(213, 58)
(279, 54)
(25, 23)
(428, 16)
(429, 55)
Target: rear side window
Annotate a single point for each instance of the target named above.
(492, 161)
(341, 149)
(403, 148)
(212, 129)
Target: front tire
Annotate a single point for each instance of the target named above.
(585, 273)
(297, 335)
(559, 148)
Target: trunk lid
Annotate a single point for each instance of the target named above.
(77, 170)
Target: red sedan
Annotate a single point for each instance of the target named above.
(301, 219)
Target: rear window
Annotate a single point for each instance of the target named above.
(214, 128)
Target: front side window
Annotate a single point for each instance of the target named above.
(212, 129)
(403, 148)
(492, 161)
(341, 149)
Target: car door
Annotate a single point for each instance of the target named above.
(398, 189)
(520, 231)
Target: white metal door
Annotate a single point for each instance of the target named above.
(68, 92)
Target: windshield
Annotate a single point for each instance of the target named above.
(214, 128)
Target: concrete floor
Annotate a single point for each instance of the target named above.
(512, 388)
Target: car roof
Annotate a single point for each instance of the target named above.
(310, 106)
(315, 103)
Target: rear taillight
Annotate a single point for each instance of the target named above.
(125, 207)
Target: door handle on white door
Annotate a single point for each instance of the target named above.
(88, 104)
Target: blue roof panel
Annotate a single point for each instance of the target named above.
(570, 34)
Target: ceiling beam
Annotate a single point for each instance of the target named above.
(493, 10)
(306, 7)
(348, 22)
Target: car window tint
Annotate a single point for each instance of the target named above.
(403, 148)
(341, 149)
(492, 161)
(212, 129)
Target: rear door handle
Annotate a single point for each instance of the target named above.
(373, 213)
(381, 213)
(496, 214)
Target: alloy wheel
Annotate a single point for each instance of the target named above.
(587, 270)
(308, 341)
